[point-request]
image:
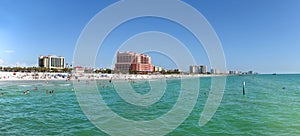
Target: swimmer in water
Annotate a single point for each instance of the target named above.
(52, 92)
(26, 92)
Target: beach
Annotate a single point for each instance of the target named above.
(35, 76)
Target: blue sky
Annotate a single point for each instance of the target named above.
(259, 35)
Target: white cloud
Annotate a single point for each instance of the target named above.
(9, 51)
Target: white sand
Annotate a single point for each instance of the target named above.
(17, 76)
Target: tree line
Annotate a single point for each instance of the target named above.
(34, 69)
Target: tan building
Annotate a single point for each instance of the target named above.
(51, 61)
(131, 61)
(157, 69)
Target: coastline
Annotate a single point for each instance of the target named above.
(40, 76)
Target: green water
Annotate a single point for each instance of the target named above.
(271, 106)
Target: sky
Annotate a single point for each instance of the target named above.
(258, 35)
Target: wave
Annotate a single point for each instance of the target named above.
(24, 85)
(64, 84)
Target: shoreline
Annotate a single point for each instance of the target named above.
(39, 76)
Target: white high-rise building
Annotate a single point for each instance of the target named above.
(216, 71)
(198, 69)
(194, 69)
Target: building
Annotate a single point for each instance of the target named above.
(51, 61)
(203, 69)
(157, 69)
(131, 61)
(217, 71)
(194, 69)
(234, 72)
(198, 69)
(79, 69)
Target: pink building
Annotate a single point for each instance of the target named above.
(131, 61)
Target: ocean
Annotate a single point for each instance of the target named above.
(271, 106)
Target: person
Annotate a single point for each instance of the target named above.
(1, 94)
(52, 92)
(47, 92)
(35, 88)
(26, 92)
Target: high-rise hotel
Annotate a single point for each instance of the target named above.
(51, 61)
(198, 69)
(131, 61)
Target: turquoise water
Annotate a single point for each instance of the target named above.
(271, 106)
